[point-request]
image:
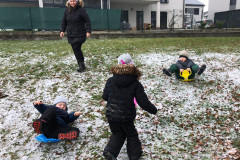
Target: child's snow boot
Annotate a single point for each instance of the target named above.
(202, 69)
(165, 71)
(37, 125)
(70, 135)
(108, 155)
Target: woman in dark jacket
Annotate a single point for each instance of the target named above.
(78, 26)
(119, 93)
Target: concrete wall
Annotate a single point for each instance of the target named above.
(135, 34)
(217, 6)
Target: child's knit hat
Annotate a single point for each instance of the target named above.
(184, 53)
(60, 99)
(125, 59)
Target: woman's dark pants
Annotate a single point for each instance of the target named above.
(76, 44)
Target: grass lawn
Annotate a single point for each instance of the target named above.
(196, 120)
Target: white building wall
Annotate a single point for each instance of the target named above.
(176, 5)
(217, 6)
(174, 11)
(132, 9)
(238, 4)
(197, 17)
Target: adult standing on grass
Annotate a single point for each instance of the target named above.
(78, 26)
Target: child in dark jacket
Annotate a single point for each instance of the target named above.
(55, 119)
(119, 92)
(184, 63)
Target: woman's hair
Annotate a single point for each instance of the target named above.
(80, 3)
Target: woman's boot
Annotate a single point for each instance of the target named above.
(81, 67)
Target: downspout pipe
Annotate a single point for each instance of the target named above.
(40, 2)
(183, 14)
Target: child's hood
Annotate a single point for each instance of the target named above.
(125, 74)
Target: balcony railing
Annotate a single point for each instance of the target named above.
(18, 1)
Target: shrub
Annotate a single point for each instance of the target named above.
(220, 24)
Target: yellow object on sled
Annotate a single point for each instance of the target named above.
(185, 74)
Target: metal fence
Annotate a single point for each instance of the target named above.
(32, 18)
(29, 18)
(228, 19)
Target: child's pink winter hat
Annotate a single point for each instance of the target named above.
(125, 59)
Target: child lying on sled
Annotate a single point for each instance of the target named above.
(184, 63)
(55, 119)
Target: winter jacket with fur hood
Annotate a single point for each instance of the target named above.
(76, 22)
(120, 91)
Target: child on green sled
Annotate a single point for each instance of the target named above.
(184, 63)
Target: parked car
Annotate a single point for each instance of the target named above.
(188, 25)
(197, 24)
(209, 23)
(204, 24)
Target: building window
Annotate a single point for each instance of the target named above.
(194, 11)
(92, 4)
(47, 1)
(164, 1)
(233, 2)
(125, 16)
(96, 4)
(105, 4)
(87, 3)
(153, 19)
(53, 3)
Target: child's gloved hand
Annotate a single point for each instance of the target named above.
(77, 113)
(37, 102)
(102, 102)
(181, 70)
(188, 69)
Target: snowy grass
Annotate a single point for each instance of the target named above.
(196, 120)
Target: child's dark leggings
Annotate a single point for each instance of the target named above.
(51, 128)
(121, 132)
